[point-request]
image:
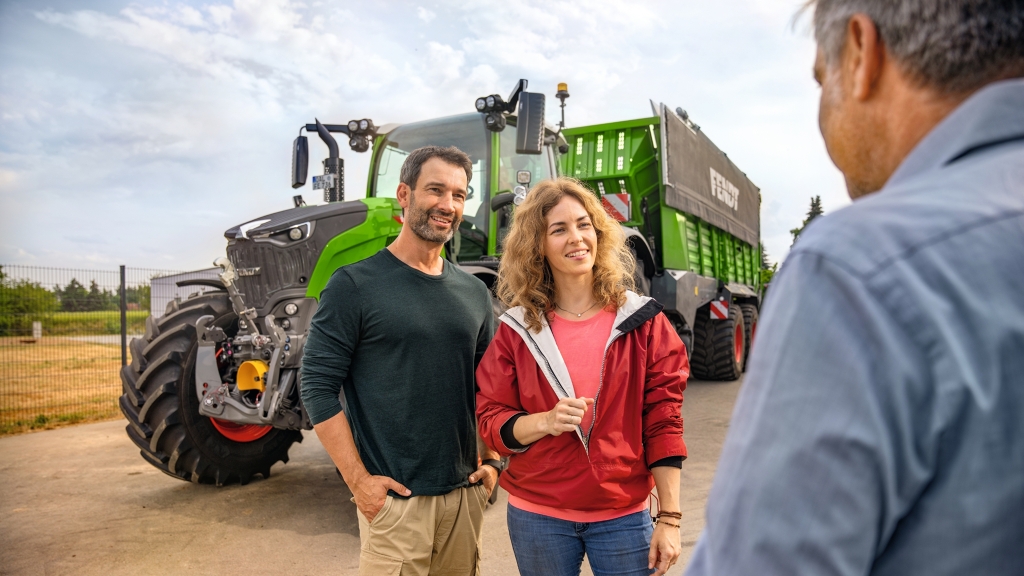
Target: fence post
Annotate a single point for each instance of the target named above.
(124, 321)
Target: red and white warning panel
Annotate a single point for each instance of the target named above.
(719, 310)
(617, 206)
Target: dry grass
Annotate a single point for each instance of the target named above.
(57, 381)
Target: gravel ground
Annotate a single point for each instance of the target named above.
(81, 501)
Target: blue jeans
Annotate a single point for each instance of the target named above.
(546, 546)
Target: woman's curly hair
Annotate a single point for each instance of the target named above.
(524, 278)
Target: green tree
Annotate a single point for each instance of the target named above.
(138, 295)
(73, 297)
(22, 302)
(812, 213)
(767, 268)
(101, 299)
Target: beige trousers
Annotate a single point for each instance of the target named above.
(424, 535)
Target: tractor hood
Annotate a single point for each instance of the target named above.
(278, 222)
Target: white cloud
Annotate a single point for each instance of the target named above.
(175, 121)
(426, 15)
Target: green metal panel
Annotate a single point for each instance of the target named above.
(615, 158)
(492, 235)
(624, 157)
(380, 229)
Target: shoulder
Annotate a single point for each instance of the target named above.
(367, 268)
(460, 276)
(897, 223)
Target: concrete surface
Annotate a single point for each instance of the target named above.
(81, 501)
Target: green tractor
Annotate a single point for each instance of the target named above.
(212, 392)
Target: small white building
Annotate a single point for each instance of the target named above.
(164, 289)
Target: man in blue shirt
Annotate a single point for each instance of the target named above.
(880, 429)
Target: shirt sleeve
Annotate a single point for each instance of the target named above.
(497, 400)
(664, 382)
(821, 461)
(327, 355)
(486, 333)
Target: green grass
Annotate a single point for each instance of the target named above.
(77, 323)
(44, 422)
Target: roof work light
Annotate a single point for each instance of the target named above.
(360, 132)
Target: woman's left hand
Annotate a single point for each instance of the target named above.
(665, 548)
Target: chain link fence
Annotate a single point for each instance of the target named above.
(63, 336)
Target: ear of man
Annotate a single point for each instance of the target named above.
(887, 110)
(403, 195)
(863, 57)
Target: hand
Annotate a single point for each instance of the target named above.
(665, 548)
(370, 493)
(566, 415)
(488, 474)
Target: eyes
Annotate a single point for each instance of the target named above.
(458, 195)
(562, 229)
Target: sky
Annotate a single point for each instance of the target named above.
(138, 132)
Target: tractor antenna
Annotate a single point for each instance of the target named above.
(562, 94)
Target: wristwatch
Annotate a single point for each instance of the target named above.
(498, 465)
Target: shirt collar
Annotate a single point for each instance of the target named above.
(991, 115)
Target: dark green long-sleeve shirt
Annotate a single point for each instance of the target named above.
(403, 347)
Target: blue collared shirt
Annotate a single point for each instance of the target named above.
(880, 429)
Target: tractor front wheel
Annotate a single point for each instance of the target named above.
(160, 402)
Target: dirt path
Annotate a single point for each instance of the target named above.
(82, 501)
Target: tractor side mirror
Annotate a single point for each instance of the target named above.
(300, 161)
(530, 123)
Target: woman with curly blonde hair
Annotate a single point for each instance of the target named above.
(579, 352)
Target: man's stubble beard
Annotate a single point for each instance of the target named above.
(848, 140)
(419, 222)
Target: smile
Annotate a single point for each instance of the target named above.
(441, 221)
(577, 254)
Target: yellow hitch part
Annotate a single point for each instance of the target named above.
(252, 375)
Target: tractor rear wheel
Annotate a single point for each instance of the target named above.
(719, 346)
(160, 402)
(750, 325)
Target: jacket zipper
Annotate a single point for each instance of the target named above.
(551, 373)
(600, 386)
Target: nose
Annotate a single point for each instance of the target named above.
(446, 202)
(574, 235)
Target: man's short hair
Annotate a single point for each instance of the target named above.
(414, 162)
(952, 46)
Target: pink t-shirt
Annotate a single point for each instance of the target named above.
(581, 344)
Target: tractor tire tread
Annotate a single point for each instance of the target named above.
(714, 346)
(178, 443)
(750, 319)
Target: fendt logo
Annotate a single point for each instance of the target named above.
(249, 271)
(724, 190)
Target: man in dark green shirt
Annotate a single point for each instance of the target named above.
(400, 334)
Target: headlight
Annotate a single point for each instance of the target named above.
(481, 104)
(353, 125)
(295, 233)
(364, 124)
(490, 101)
(291, 309)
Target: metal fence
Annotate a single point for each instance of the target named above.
(63, 336)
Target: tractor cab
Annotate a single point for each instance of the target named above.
(497, 170)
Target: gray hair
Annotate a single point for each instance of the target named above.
(953, 46)
(410, 173)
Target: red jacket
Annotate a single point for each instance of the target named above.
(638, 410)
